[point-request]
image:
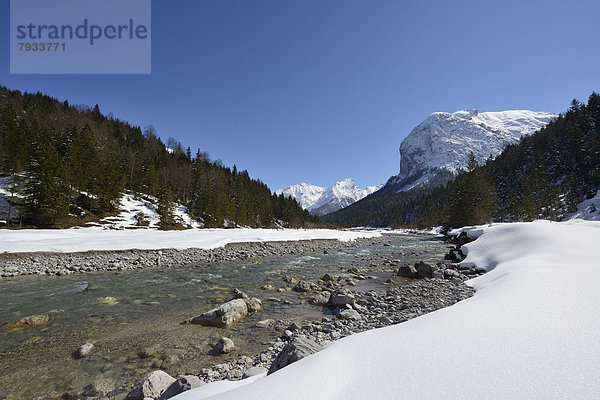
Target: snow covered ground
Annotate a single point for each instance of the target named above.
(588, 209)
(87, 239)
(131, 206)
(531, 331)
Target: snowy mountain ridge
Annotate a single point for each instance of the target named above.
(324, 200)
(439, 147)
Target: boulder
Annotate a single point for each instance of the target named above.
(424, 270)
(182, 384)
(302, 286)
(253, 303)
(327, 278)
(407, 271)
(224, 315)
(341, 298)
(295, 350)
(319, 299)
(26, 322)
(152, 386)
(225, 345)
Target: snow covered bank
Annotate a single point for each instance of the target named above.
(87, 239)
(588, 210)
(531, 331)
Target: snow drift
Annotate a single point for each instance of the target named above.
(88, 239)
(530, 332)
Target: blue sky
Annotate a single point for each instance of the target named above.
(320, 90)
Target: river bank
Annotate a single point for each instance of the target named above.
(61, 264)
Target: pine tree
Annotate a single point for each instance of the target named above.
(165, 207)
(46, 194)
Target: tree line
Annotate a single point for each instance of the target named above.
(71, 164)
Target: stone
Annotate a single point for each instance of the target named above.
(26, 322)
(302, 286)
(253, 371)
(253, 304)
(85, 350)
(182, 384)
(349, 313)
(327, 278)
(224, 315)
(266, 323)
(341, 297)
(109, 300)
(268, 287)
(225, 345)
(319, 299)
(152, 386)
(424, 270)
(289, 279)
(295, 350)
(407, 271)
(450, 273)
(238, 294)
(438, 274)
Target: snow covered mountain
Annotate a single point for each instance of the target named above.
(439, 147)
(324, 200)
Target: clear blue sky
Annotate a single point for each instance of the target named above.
(320, 90)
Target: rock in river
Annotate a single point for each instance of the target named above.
(407, 271)
(26, 322)
(152, 386)
(225, 345)
(224, 315)
(85, 350)
(341, 298)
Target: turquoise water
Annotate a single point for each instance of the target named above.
(126, 313)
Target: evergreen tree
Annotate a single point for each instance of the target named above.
(165, 207)
(46, 194)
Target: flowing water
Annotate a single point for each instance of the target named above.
(134, 318)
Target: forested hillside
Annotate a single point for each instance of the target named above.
(544, 176)
(71, 163)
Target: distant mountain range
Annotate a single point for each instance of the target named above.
(324, 200)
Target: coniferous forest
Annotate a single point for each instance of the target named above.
(71, 163)
(543, 176)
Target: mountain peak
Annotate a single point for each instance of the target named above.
(323, 200)
(439, 147)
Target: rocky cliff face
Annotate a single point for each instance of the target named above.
(439, 147)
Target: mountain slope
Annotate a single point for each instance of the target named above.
(545, 175)
(324, 200)
(70, 165)
(439, 147)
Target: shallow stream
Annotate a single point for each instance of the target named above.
(134, 318)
